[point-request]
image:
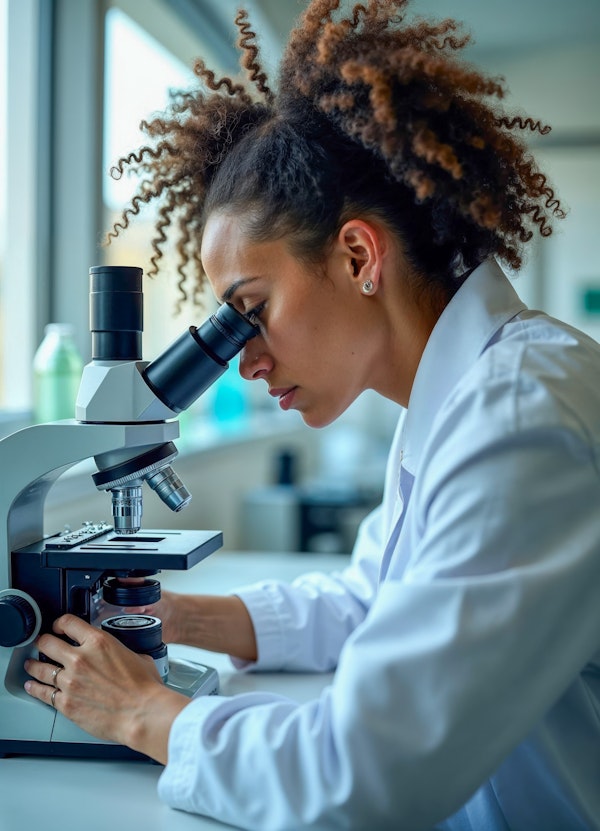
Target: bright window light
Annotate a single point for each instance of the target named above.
(138, 76)
(3, 119)
(139, 73)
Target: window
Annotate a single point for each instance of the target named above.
(139, 72)
(19, 189)
(3, 89)
(55, 178)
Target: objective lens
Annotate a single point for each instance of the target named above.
(141, 634)
(127, 509)
(125, 483)
(170, 488)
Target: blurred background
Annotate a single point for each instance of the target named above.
(76, 79)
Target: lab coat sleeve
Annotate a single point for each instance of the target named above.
(303, 625)
(456, 661)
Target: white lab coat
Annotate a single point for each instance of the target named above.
(465, 633)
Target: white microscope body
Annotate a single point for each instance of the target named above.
(125, 421)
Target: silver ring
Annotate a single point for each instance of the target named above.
(53, 696)
(55, 672)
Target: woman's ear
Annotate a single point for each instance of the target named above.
(363, 246)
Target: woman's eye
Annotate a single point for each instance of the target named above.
(253, 316)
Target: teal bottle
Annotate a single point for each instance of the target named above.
(57, 368)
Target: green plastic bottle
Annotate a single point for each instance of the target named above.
(57, 368)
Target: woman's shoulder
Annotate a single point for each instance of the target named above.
(537, 373)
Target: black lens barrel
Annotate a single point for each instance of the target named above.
(141, 633)
(116, 313)
(185, 369)
(190, 365)
(130, 594)
(226, 332)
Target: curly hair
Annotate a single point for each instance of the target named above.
(373, 115)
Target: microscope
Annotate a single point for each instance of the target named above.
(125, 420)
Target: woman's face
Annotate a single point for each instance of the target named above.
(322, 341)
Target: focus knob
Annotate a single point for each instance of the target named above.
(17, 620)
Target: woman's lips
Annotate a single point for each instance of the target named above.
(285, 395)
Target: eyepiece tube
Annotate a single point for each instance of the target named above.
(190, 365)
(116, 313)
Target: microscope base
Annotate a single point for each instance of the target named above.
(192, 679)
(67, 740)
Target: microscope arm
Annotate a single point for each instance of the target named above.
(32, 459)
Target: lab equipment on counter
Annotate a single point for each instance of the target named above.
(319, 517)
(124, 420)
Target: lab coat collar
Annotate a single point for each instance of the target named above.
(480, 307)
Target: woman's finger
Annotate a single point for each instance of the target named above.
(75, 628)
(44, 692)
(44, 672)
(56, 649)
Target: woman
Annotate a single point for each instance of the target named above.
(357, 217)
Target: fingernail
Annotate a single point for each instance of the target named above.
(28, 685)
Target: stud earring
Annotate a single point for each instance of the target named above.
(367, 287)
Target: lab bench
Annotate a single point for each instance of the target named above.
(58, 794)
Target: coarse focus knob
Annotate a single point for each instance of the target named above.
(17, 620)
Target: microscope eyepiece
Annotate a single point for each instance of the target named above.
(226, 332)
(190, 365)
(177, 377)
(116, 312)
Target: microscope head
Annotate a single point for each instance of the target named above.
(118, 387)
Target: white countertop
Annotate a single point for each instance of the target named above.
(95, 795)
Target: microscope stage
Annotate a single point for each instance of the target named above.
(148, 549)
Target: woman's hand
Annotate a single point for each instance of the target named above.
(170, 609)
(105, 688)
(214, 622)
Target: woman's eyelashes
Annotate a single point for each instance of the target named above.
(253, 316)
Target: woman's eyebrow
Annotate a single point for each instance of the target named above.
(237, 284)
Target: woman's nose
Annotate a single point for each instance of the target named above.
(255, 361)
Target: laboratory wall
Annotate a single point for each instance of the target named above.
(558, 84)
